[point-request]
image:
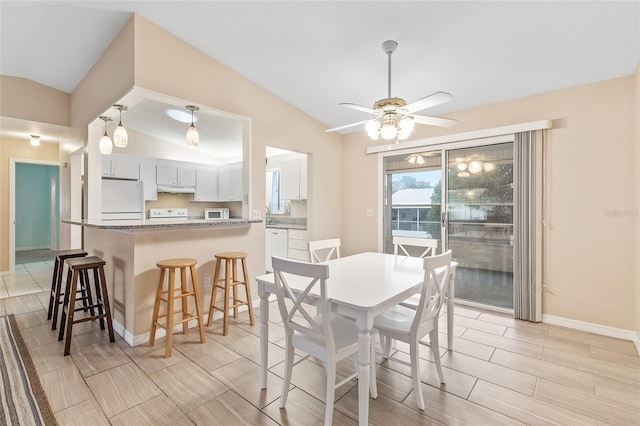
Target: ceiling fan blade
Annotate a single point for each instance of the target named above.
(434, 121)
(428, 101)
(358, 108)
(346, 126)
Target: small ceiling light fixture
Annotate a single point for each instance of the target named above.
(120, 137)
(35, 140)
(105, 141)
(193, 138)
(416, 159)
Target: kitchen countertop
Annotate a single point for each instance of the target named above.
(157, 225)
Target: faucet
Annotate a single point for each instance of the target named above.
(268, 216)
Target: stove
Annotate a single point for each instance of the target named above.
(168, 214)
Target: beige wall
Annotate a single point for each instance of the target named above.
(636, 117)
(16, 148)
(28, 100)
(589, 247)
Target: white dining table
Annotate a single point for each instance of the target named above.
(361, 286)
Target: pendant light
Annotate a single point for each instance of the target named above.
(193, 138)
(35, 140)
(105, 141)
(120, 137)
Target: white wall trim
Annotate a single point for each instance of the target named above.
(457, 137)
(590, 327)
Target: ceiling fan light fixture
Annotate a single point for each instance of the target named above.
(475, 167)
(407, 123)
(106, 146)
(120, 137)
(388, 131)
(193, 138)
(462, 166)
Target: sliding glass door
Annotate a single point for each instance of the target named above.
(464, 199)
(479, 222)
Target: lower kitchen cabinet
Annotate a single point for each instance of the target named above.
(275, 245)
(297, 245)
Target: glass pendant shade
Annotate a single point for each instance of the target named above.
(35, 140)
(193, 138)
(105, 144)
(120, 137)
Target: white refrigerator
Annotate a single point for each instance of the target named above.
(122, 199)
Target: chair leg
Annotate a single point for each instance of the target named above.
(435, 348)
(331, 391)
(288, 370)
(415, 373)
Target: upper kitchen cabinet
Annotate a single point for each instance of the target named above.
(120, 167)
(148, 178)
(175, 176)
(206, 185)
(294, 179)
(230, 183)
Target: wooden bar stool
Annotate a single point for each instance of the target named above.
(56, 282)
(230, 281)
(172, 265)
(79, 271)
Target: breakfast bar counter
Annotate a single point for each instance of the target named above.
(131, 249)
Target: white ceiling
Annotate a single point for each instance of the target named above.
(316, 54)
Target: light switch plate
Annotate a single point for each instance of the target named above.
(369, 212)
(256, 214)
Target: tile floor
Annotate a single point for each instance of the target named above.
(501, 371)
(29, 278)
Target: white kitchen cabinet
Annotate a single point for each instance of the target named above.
(175, 176)
(230, 184)
(148, 178)
(120, 167)
(293, 174)
(206, 185)
(275, 245)
(297, 245)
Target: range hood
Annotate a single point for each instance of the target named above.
(177, 189)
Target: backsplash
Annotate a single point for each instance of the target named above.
(185, 201)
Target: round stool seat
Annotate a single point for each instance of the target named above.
(231, 255)
(181, 262)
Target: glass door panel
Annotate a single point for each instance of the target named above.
(479, 222)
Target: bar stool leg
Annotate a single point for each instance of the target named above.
(216, 274)
(234, 280)
(105, 301)
(170, 314)
(185, 302)
(70, 308)
(65, 302)
(55, 290)
(156, 309)
(227, 285)
(248, 290)
(196, 291)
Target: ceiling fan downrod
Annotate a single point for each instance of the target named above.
(389, 47)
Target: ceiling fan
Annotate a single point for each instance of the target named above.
(393, 117)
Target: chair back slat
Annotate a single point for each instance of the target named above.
(296, 314)
(401, 243)
(323, 250)
(436, 276)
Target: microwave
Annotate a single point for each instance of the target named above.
(216, 213)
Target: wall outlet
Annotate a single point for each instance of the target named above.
(256, 214)
(207, 282)
(369, 212)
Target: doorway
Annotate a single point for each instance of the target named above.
(34, 212)
(462, 197)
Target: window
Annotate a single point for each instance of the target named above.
(274, 201)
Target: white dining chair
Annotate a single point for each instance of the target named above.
(401, 243)
(326, 336)
(323, 250)
(412, 325)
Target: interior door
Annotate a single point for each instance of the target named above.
(478, 222)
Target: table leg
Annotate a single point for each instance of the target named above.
(450, 296)
(364, 365)
(264, 335)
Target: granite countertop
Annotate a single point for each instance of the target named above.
(279, 222)
(148, 225)
(285, 226)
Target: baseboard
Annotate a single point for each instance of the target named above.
(142, 339)
(590, 327)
